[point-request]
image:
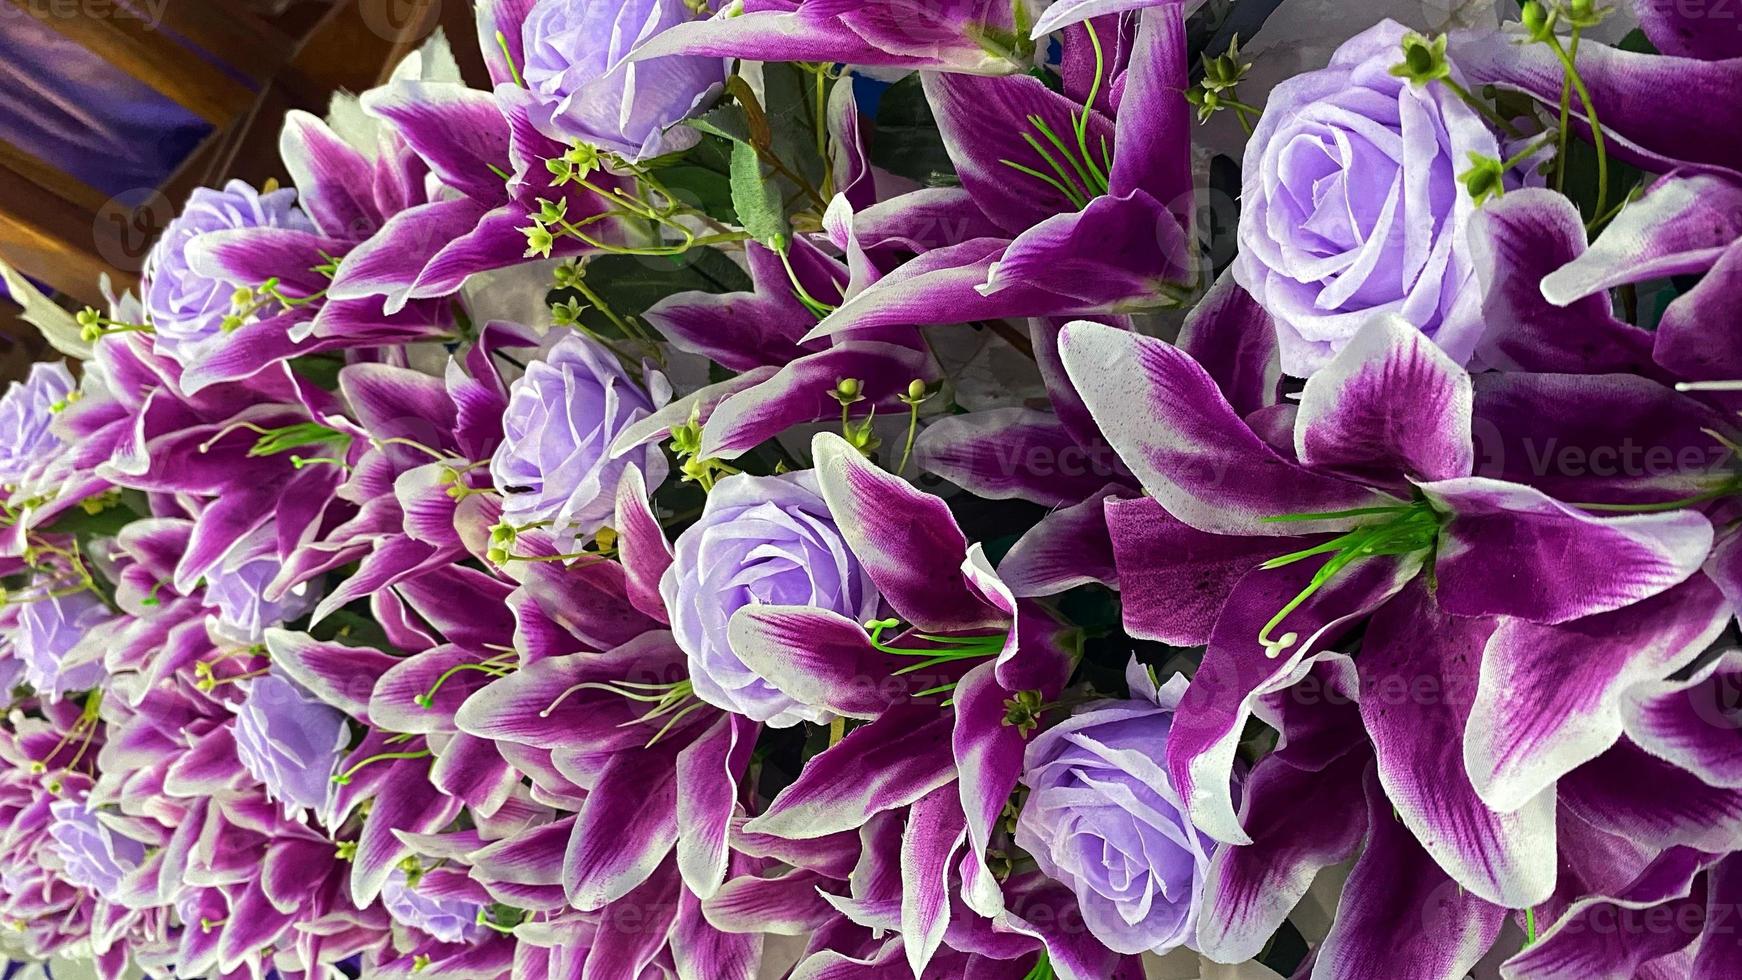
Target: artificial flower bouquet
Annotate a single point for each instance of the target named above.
(824, 490)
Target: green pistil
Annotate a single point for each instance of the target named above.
(284, 438)
(1082, 122)
(817, 307)
(513, 69)
(1042, 969)
(497, 666)
(1729, 487)
(1084, 178)
(1407, 529)
(344, 778)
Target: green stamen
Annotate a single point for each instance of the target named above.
(1409, 529)
(344, 778)
(1069, 192)
(1082, 172)
(1076, 195)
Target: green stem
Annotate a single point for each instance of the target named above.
(1482, 108)
(1527, 152)
(912, 431)
(1560, 163)
(1082, 122)
(1597, 137)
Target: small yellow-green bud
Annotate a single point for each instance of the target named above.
(1535, 18)
(848, 391)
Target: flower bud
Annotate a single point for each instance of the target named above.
(848, 391)
(1535, 18)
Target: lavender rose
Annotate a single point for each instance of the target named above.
(27, 445)
(290, 741)
(554, 463)
(93, 856)
(760, 539)
(237, 589)
(185, 307)
(1103, 818)
(584, 87)
(450, 920)
(48, 630)
(1351, 205)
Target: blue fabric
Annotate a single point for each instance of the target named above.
(73, 111)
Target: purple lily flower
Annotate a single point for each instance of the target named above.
(490, 160)
(348, 195)
(417, 447)
(1543, 282)
(53, 912)
(1652, 133)
(1377, 475)
(946, 592)
(1605, 829)
(1072, 211)
(976, 36)
(186, 304)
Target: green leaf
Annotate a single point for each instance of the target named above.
(726, 121)
(320, 369)
(907, 141)
(756, 197)
(106, 522)
(632, 283)
(702, 178)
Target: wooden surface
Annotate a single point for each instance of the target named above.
(66, 234)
